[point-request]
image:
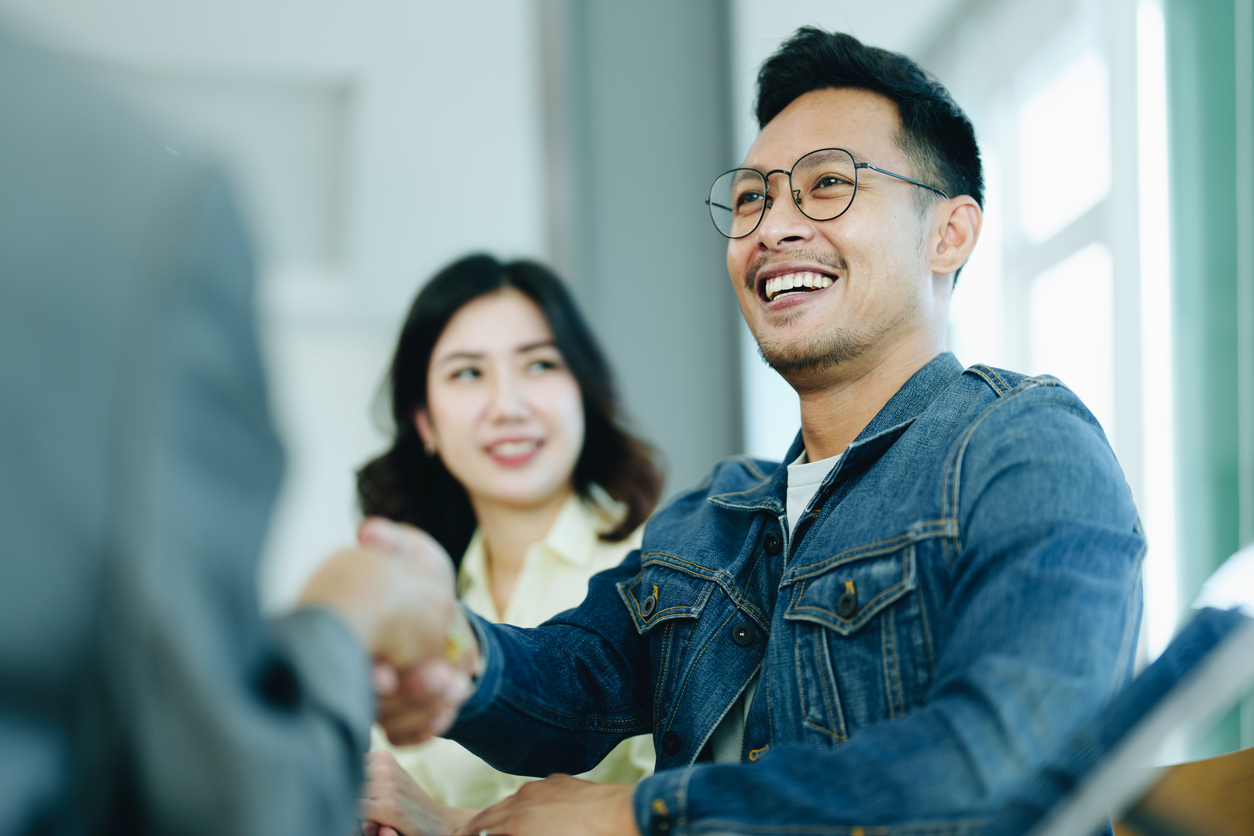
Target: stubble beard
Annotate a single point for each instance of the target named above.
(814, 353)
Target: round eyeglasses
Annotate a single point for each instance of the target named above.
(823, 184)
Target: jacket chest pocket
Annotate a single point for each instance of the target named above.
(863, 654)
(665, 602)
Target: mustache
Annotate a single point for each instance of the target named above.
(826, 258)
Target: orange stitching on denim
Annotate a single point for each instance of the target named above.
(872, 608)
(797, 666)
(754, 754)
(950, 495)
(668, 636)
(896, 668)
(725, 581)
(888, 688)
(825, 654)
(927, 637)
(692, 666)
(919, 531)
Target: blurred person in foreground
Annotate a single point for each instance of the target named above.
(894, 626)
(141, 691)
(508, 449)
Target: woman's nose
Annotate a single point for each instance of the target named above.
(508, 401)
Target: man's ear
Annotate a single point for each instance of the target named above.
(426, 431)
(958, 228)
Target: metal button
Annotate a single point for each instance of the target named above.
(773, 542)
(648, 605)
(743, 633)
(848, 604)
(671, 743)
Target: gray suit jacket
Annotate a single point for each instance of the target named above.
(140, 689)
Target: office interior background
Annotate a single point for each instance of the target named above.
(373, 142)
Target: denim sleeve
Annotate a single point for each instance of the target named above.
(1038, 630)
(573, 688)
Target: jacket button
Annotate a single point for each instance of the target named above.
(671, 743)
(742, 634)
(773, 543)
(648, 605)
(847, 605)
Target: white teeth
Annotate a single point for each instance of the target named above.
(509, 449)
(790, 281)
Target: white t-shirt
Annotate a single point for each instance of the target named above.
(804, 479)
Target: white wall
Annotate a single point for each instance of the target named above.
(372, 143)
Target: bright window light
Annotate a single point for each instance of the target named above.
(1159, 514)
(1064, 147)
(1072, 315)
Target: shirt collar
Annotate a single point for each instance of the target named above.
(575, 534)
(893, 419)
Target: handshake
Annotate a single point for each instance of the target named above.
(396, 590)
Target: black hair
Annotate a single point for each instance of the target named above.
(407, 485)
(936, 135)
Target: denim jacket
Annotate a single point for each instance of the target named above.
(962, 592)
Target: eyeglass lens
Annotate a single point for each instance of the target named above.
(822, 184)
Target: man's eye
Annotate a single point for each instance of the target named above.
(748, 201)
(831, 181)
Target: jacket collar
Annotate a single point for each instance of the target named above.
(876, 437)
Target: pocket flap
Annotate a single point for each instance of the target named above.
(848, 594)
(663, 592)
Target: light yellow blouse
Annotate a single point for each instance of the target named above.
(554, 578)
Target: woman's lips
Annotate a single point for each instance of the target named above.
(514, 451)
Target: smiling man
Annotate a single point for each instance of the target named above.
(903, 619)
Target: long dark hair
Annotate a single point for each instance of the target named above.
(406, 485)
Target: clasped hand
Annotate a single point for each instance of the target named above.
(397, 592)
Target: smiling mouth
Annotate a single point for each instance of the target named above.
(513, 449)
(800, 282)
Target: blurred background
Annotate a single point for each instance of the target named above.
(373, 142)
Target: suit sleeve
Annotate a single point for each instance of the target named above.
(230, 723)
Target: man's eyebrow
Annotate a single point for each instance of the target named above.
(858, 156)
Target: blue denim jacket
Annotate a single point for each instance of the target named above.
(963, 591)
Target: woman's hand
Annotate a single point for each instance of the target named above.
(395, 804)
(559, 806)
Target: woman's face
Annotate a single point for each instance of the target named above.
(503, 412)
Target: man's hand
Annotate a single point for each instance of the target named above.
(395, 804)
(396, 590)
(560, 806)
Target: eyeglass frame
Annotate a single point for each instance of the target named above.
(766, 178)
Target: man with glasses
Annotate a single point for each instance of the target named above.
(906, 617)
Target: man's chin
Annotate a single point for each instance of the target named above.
(804, 358)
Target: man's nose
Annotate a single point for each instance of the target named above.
(782, 219)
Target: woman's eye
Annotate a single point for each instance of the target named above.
(538, 366)
(464, 374)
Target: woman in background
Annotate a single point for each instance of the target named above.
(508, 451)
